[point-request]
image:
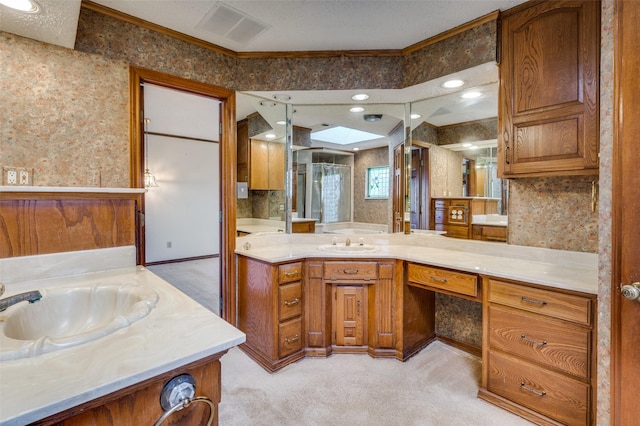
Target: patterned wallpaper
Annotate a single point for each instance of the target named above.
(369, 211)
(554, 213)
(65, 114)
(476, 131)
(465, 50)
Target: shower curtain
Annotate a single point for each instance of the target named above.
(331, 193)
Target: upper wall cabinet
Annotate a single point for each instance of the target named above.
(548, 109)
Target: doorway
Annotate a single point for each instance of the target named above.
(225, 218)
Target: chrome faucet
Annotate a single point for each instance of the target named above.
(29, 296)
(348, 242)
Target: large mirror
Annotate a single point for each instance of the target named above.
(342, 170)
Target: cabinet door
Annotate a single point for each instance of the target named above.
(259, 176)
(276, 166)
(548, 113)
(349, 313)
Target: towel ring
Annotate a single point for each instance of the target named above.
(178, 393)
(184, 404)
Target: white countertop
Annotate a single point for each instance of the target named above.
(555, 268)
(176, 332)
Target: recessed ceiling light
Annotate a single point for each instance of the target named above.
(356, 109)
(360, 97)
(451, 84)
(471, 95)
(281, 122)
(415, 116)
(270, 136)
(466, 145)
(356, 149)
(28, 6)
(281, 97)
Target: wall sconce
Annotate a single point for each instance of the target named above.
(149, 178)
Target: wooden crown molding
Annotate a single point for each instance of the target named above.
(89, 5)
(493, 16)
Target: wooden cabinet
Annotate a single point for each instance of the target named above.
(260, 163)
(139, 404)
(548, 116)
(454, 215)
(266, 166)
(270, 311)
(538, 356)
(303, 226)
(489, 233)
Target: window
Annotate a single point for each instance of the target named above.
(378, 182)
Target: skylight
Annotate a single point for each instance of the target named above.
(343, 135)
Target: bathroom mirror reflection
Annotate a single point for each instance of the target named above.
(340, 158)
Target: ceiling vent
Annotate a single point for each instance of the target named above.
(232, 24)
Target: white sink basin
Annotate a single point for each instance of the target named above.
(353, 248)
(66, 317)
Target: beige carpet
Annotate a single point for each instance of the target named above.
(438, 386)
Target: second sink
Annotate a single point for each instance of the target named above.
(353, 248)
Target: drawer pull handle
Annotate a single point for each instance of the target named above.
(533, 391)
(292, 339)
(350, 271)
(292, 302)
(291, 274)
(438, 280)
(534, 342)
(535, 302)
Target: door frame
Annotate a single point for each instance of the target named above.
(228, 206)
(625, 262)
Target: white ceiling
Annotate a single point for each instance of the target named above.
(307, 25)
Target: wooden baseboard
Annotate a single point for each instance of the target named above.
(473, 350)
(186, 259)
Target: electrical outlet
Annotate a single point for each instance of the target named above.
(11, 176)
(24, 177)
(17, 176)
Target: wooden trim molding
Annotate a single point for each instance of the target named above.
(227, 167)
(320, 54)
(493, 16)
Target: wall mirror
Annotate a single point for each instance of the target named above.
(340, 153)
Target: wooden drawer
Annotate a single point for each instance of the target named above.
(305, 227)
(541, 301)
(490, 233)
(464, 204)
(290, 335)
(439, 216)
(456, 282)
(290, 272)
(454, 231)
(350, 271)
(290, 300)
(439, 204)
(550, 342)
(552, 394)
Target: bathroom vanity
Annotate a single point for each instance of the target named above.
(297, 298)
(118, 376)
